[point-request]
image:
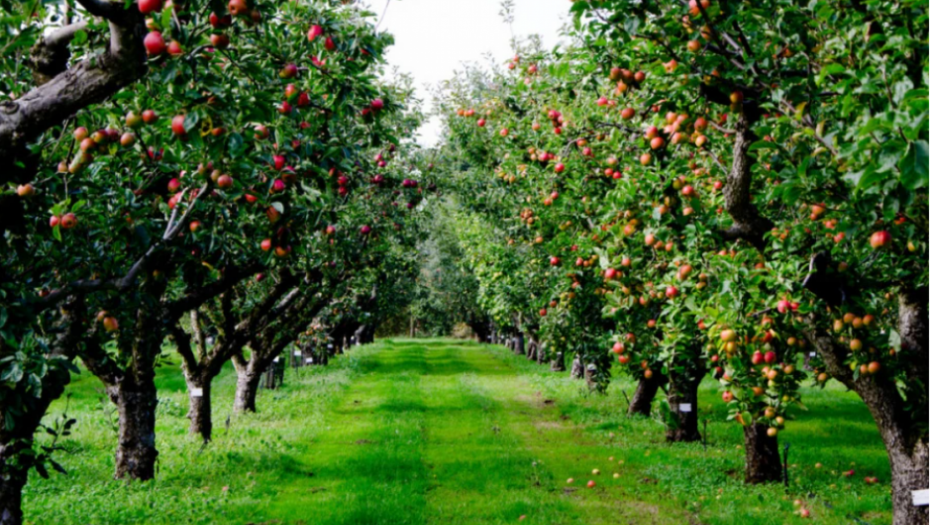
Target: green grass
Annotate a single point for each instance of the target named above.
(439, 431)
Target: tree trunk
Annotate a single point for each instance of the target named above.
(646, 390)
(136, 401)
(682, 403)
(557, 364)
(246, 389)
(908, 473)
(11, 489)
(518, 344)
(763, 462)
(577, 368)
(201, 411)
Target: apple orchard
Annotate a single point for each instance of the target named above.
(689, 191)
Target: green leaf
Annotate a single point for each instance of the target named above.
(914, 166)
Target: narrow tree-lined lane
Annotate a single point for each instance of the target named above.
(442, 432)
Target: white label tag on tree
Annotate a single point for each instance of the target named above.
(196, 392)
(276, 359)
(329, 346)
(298, 353)
(813, 354)
(684, 408)
(309, 360)
(921, 498)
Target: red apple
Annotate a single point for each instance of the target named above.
(315, 31)
(154, 43)
(880, 239)
(149, 6)
(68, 221)
(177, 125)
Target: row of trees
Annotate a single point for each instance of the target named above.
(704, 187)
(205, 175)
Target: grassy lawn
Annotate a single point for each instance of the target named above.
(440, 431)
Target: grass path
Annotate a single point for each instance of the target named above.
(448, 432)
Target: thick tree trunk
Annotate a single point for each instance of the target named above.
(246, 389)
(136, 402)
(908, 473)
(763, 462)
(557, 363)
(646, 390)
(200, 406)
(11, 489)
(577, 368)
(682, 403)
(518, 344)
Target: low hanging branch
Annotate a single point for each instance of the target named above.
(90, 81)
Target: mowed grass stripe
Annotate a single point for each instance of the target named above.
(367, 468)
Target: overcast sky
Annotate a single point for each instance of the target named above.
(434, 37)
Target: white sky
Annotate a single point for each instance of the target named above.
(434, 37)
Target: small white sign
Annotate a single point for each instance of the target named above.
(309, 360)
(196, 392)
(921, 498)
(813, 354)
(329, 346)
(276, 359)
(685, 408)
(298, 353)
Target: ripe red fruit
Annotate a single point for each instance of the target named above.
(149, 116)
(266, 245)
(543, 312)
(149, 6)
(610, 274)
(671, 292)
(68, 221)
(25, 190)
(656, 143)
(110, 324)
(154, 43)
(591, 484)
(687, 191)
(481, 123)
(224, 182)
(880, 239)
(219, 40)
(289, 71)
(554, 261)
(784, 306)
(727, 396)
(174, 185)
(315, 31)
(770, 357)
(282, 251)
(174, 48)
(366, 229)
(219, 22)
(627, 113)
(559, 168)
(330, 45)
(237, 7)
(279, 162)
(377, 104)
(54, 220)
(177, 125)
(278, 186)
(194, 226)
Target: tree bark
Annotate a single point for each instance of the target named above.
(136, 401)
(577, 368)
(557, 362)
(900, 422)
(682, 403)
(646, 390)
(200, 412)
(519, 344)
(246, 389)
(11, 487)
(763, 462)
